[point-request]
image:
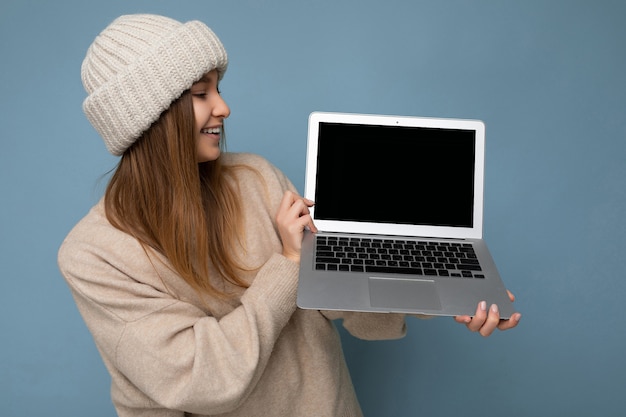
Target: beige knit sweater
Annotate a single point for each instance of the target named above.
(171, 354)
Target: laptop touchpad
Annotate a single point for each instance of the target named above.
(403, 294)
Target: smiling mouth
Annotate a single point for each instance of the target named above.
(211, 131)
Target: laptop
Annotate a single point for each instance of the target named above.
(399, 212)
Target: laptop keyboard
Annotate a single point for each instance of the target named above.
(397, 256)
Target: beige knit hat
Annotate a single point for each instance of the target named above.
(138, 66)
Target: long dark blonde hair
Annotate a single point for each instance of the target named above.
(187, 211)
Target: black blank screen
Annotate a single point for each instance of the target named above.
(391, 174)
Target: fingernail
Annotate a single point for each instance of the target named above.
(483, 305)
(494, 308)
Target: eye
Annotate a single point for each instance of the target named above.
(199, 93)
(203, 92)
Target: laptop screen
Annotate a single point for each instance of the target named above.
(395, 174)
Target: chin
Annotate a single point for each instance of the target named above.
(209, 157)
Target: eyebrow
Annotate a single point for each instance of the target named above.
(205, 79)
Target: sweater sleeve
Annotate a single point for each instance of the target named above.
(164, 349)
(228, 355)
(370, 326)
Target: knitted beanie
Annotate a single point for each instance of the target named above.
(138, 66)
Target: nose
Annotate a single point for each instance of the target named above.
(221, 109)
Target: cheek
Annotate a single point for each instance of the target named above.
(197, 113)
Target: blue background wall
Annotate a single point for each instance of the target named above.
(547, 77)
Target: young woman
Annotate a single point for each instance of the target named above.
(186, 271)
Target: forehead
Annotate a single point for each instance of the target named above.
(209, 77)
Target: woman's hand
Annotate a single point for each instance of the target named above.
(292, 218)
(486, 321)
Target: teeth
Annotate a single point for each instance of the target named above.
(213, 130)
